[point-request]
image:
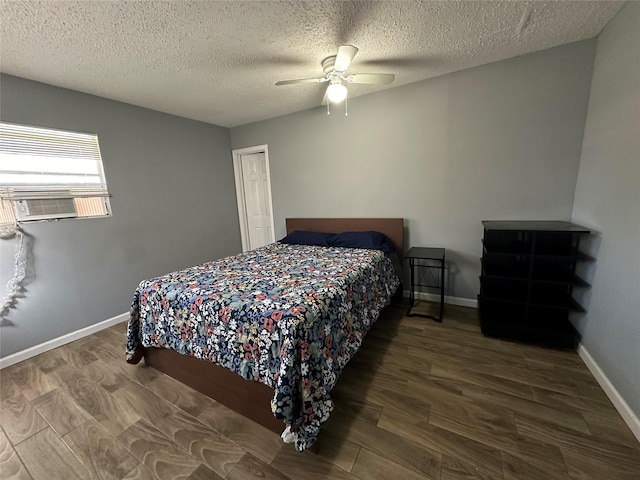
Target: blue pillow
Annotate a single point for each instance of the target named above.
(368, 240)
(298, 237)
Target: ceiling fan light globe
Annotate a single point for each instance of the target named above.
(336, 92)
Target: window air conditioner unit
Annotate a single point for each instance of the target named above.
(46, 209)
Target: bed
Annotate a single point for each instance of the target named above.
(287, 316)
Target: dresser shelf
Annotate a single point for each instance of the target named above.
(527, 280)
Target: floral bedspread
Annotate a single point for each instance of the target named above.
(289, 316)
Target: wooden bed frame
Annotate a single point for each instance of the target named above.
(249, 398)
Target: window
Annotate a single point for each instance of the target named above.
(50, 174)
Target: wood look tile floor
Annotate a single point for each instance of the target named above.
(421, 400)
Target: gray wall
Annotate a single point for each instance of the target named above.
(173, 202)
(608, 200)
(501, 141)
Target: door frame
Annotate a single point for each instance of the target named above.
(242, 210)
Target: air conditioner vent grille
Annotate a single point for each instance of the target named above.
(45, 209)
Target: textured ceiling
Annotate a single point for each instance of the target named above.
(218, 61)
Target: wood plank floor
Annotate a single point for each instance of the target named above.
(421, 400)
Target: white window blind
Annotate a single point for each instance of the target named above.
(43, 163)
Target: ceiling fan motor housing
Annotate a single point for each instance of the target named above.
(328, 64)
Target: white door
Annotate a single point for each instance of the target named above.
(253, 187)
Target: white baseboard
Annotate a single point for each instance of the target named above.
(63, 340)
(630, 418)
(434, 297)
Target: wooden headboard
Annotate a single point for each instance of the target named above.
(391, 227)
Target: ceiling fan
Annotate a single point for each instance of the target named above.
(335, 68)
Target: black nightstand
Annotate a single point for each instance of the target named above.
(423, 261)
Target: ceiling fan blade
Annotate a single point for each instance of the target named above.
(301, 80)
(344, 57)
(372, 78)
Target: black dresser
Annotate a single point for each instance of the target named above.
(527, 280)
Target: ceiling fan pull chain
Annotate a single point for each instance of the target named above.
(328, 111)
(346, 107)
